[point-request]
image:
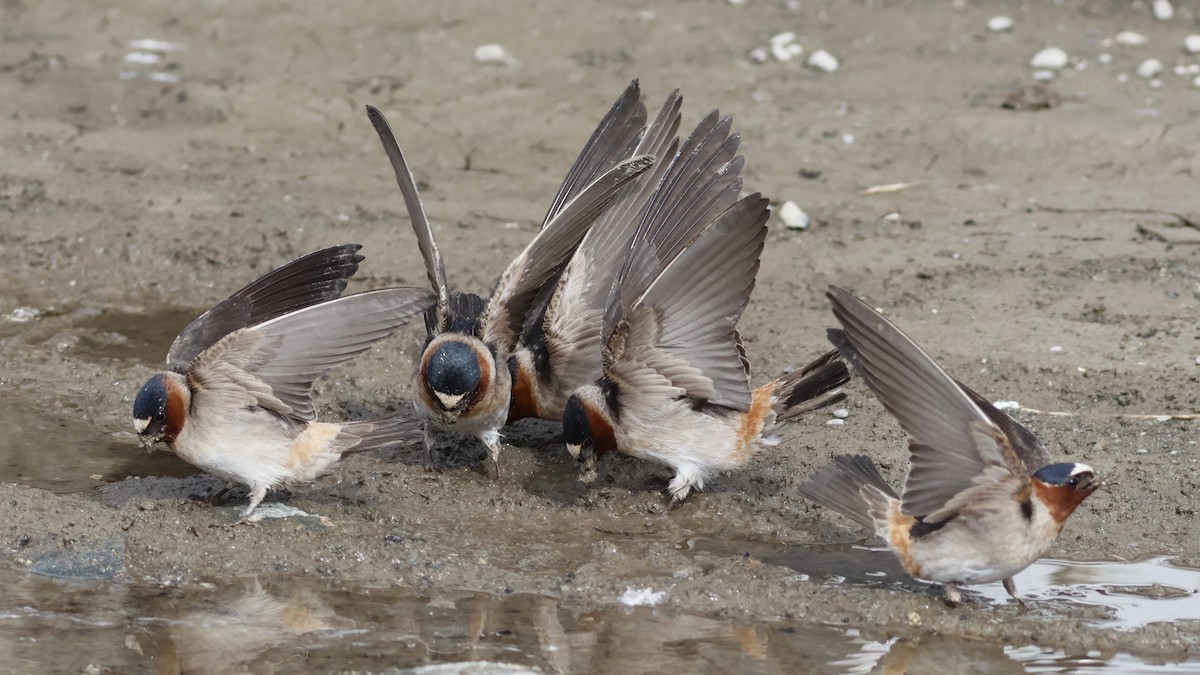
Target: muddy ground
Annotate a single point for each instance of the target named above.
(1047, 256)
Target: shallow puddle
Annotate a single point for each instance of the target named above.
(57, 450)
(1134, 593)
(48, 625)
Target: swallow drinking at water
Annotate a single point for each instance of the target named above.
(236, 398)
(983, 498)
(463, 383)
(675, 387)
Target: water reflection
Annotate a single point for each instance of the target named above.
(287, 626)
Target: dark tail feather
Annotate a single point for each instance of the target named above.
(839, 487)
(811, 387)
(381, 433)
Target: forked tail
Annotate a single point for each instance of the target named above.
(839, 487)
(810, 388)
(380, 433)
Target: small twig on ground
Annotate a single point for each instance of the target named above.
(1127, 416)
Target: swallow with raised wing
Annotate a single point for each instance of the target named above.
(675, 387)
(983, 499)
(463, 383)
(666, 208)
(236, 398)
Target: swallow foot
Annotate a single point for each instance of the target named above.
(953, 596)
(1012, 590)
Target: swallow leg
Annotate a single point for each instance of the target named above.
(491, 438)
(257, 493)
(953, 597)
(431, 463)
(1012, 590)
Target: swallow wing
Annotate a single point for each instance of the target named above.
(682, 328)
(563, 329)
(435, 268)
(517, 290)
(613, 141)
(953, 444)
(308, 280)
(1026, 447)
(274, 364)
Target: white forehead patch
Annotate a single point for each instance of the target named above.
(141, 423)
(449, 400)
(1081, 468)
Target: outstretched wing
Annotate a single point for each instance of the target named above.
(308, 280)
(682, 328)
(274, 364)
(545, 256)
(435, 268)
(953, 444)
(613, 140)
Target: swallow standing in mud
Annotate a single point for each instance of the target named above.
(463, 383)
(560, 347)
(676, 383)
(236, 398)
(983, 499)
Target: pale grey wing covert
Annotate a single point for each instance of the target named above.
(274, 364)
(311, 279)
(951, 441)
(435, 267)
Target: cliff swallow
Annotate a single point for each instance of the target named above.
(676, 382)
(236, 398)
(983, 498)
(462, 381)
(666, 208)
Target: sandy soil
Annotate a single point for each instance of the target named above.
(130, 205)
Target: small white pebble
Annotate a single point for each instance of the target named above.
(1198, 360)
(1131, 39)
(1000, 24)
(1149, 68)
(848, 139)
(841, 413)
(823, 61)
(1163, 11)
(635, 597)
(759, 55)
(1123, 78)
(1156, 84)
(782, 53)
(1142, 451)
(1191, 44)
(493, 54)
(793, 217)
(1043, 75)
(1006, 405)
(782, 38)
(1050, 57)
(1081, 369)
(835, 422)
(933, 311)
(892, 217)
(736, 3)
(24, 314)
(1056, 349)
(1104, 58)
(1196, 82)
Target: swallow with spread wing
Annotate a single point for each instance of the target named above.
(665, 208)
(675, 387)
(983, 498)
(463, 383)
(236, 398)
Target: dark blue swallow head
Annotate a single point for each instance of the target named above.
(1062, 487)
(577, 430)
(150, 409)
(454, 374)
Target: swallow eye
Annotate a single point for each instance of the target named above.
(1073, 482)
(160, 416)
